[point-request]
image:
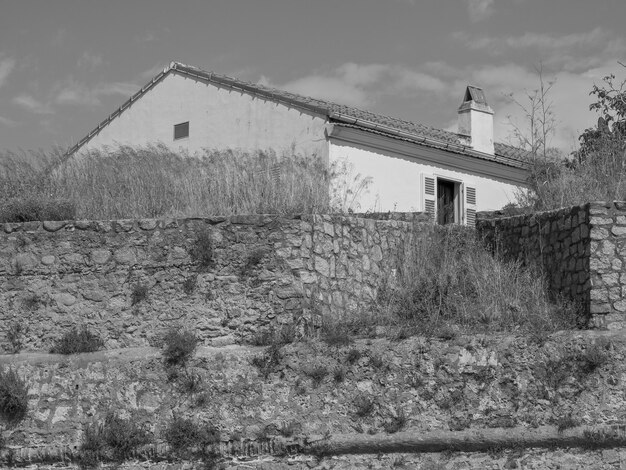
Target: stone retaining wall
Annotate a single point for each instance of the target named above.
(607, 262)
(130, 280)
(582, 250)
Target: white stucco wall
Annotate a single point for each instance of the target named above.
(218, 118)
(396, 181)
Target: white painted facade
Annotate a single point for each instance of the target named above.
(225, 114)
(397, 181)
(218, 118)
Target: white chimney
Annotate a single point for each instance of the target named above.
(476, 120)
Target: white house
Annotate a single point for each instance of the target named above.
(412, 167)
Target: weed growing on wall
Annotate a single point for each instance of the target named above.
(451, 282)
(190, 283)
(252, 260)
(179, 346)
(202, 250)
(115, 439)
(77, 341)
(188, 439)
(278, 335)
(268, 362)
(138, 294)
(15, 336)
(13, 397)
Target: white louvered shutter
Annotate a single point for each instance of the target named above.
(470, 205)
(429, 195)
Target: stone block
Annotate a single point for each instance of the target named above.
(600, 221)
(322, 266)
(620, 306)
(53, 225)
(598, 233)
(618, 231)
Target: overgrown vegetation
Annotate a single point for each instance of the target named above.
(116, 439)
(279, 335)
(179, 346)
(253, 258)
(77, 341)
(595, 172)
(154, 181)
(268, 362)
(13, 397)
(15, 336)
(187, 439)
(139, 294)
(452, 282)
(202, 250)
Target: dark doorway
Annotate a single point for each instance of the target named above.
(446, 202)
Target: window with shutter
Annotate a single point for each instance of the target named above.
(429, 196)
(181, 130)
(470, 205)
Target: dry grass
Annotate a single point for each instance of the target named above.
(452, 281)
(154, 181)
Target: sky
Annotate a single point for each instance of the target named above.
(65, 65)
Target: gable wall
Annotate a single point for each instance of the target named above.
(218, 118)
(396, 180)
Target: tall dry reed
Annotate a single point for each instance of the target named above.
(154, 181)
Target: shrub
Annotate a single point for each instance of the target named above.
(77, 341)
(187, 438)
(396, 422)
(593, 358)
(289, 429)
(189, 284)
(178, 346)
(202, 250)
(139, 294)
(317, 373)
(353, 356)
(15, 336)
(283, 334)
(253, 259)
(363, 405)
(13, 397)
(269, 361)
(117, 439)
(339, 374)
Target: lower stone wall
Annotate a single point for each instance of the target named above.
(422, 386)
(557, 241)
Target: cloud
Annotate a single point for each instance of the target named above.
(574, 51)
(6, 122)
(479, 10)
(6, 67)
(75, 93)
(361, 85)
(89, 61)
(33, 105)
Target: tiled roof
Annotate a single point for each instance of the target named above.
(345, 115)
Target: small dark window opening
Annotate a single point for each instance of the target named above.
(447, 202)
(181, 130)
